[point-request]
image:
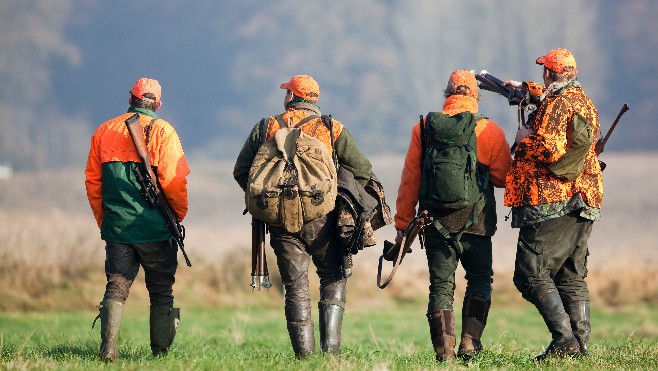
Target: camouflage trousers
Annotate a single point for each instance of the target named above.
(552, 255)
(159, 261)
(442, 260)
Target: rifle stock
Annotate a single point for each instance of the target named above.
(150, 188)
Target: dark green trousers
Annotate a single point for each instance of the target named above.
(442, 260)
(552, 255)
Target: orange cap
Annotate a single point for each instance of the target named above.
(145, 85)
(303, 86)
(463, 78)
(560, 61)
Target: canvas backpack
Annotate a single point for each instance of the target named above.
(292, 179)
(451, 177)
(579, 141)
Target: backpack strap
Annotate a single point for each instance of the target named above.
(305, 120)
(329, 123)
(262, 130)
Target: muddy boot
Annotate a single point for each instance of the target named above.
(302, 338)
(164, 321)
(474, 318)
(579, 317)
(564, 343)
(110, 315)
(442, 331)
(331, 309)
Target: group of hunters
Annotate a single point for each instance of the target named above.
(298, 166)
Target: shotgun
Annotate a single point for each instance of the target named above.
(260, 277)
(150, 188)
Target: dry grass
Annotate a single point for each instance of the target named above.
(51, 255)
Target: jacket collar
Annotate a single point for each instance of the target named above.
(304, 106)
(455, 104)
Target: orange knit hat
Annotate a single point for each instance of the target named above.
(560, 61)
(145, 85)
(303, 86)
(463, 78)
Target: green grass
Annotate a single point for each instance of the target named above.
(378, 338)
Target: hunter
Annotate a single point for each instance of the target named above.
(474, 246)
(315, 240)
(555, 215)
(135, 233)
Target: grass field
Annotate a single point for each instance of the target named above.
(255, 337)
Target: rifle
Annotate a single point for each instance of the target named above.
(600, 144)
(260, 277)
(395, 252)
(150, 189)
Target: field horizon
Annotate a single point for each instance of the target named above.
(51, 254)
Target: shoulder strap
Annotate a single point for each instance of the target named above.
(305, 120)
(329, 123)
(147, 131)
(262, 130)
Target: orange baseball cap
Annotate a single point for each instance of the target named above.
(303, 86)
(560, 61)
(463, 78)
(145, 85)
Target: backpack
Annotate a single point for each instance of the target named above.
(579, 140)
(292, 179)
(452, 180)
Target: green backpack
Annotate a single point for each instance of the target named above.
(451, 179)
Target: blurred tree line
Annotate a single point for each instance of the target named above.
(67, 65)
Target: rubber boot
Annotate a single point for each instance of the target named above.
(111, 312)
(442, 331)
(580, 325)
(474, 318)
(564, 343)
(331, 309)
(164, 321)
(302, 338)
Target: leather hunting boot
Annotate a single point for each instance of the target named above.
(164, 321)
(579, 316)
(474, 318)
(564, 343)
(302, 338)
(442, 331)
(111, 312)
(331, 309)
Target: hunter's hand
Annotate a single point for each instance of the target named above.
(513, 83)
(522, 133)
(398, 236)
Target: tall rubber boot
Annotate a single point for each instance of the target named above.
(331, 309)
(442, 331)
(163, 321)
(564, 343)
(580, 325)
(111, 312)
(302, 338)
(474, 318)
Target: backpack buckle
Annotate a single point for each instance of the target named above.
(261, 202)
(317, 197)
(289, 193)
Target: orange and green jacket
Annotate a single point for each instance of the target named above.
(529, 183)
(348, 153)
(492, 150)
(114, 194)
